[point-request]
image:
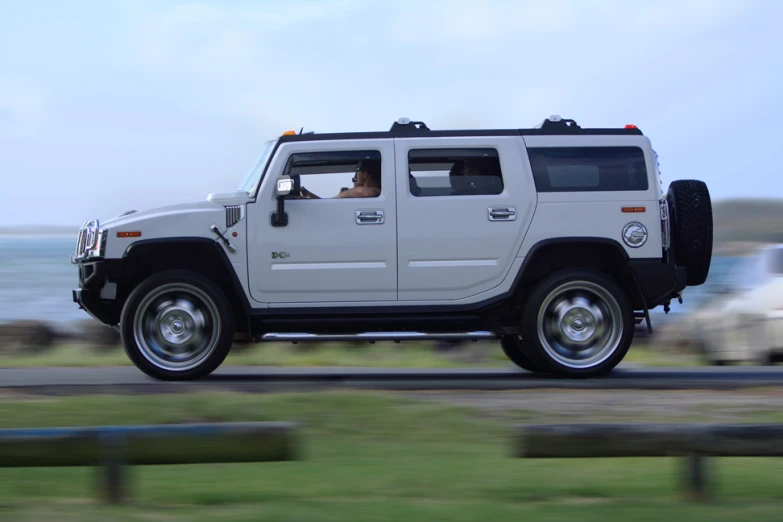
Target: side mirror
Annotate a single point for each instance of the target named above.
(285, 187)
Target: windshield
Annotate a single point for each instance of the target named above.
(252, 179)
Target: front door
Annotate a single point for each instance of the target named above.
(464, 205)
(333, 250)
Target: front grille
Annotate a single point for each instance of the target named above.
(80, 242)
(87, 238)
(233, 215)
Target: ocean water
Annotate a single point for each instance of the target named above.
(36, 279)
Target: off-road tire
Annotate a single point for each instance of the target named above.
(690, 211)
(606, 291)
(217, 307)
(513, 347)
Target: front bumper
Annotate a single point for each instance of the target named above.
(92, 275)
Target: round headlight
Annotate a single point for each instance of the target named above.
(635, 234)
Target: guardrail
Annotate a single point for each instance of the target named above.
(695, 443)
(113, 448)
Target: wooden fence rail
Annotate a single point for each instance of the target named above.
(695, 443)
(113, 448)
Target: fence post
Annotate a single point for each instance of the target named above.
(112, 468)
(696, 476)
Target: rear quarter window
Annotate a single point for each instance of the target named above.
(588, 169)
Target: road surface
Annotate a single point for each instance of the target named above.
(265, 379)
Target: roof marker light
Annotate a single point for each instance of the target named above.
(631, 127)
(289, 133)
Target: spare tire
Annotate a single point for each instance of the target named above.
(690, 211)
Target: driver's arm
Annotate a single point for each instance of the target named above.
(308, 195)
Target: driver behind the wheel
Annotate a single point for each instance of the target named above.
(367, 183)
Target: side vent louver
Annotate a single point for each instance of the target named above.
(233, 215)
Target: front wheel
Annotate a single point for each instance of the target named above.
(514, 349)
(577, 323)
(177, 325)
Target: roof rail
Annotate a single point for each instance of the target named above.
(406, 124)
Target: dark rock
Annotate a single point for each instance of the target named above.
(26, 337)
(97, 335)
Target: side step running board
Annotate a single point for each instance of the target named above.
(376, 336)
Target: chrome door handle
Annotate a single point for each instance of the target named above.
(369, 217)
(502, 213)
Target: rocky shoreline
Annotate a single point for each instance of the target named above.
(33, 337)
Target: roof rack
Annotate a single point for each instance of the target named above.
(405, 128)
(556, 122)
(406, 124)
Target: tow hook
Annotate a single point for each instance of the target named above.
(666, 308)
(228, 244)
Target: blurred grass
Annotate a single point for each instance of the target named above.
(369, 456)
(411, 354)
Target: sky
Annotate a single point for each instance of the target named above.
(113, 105)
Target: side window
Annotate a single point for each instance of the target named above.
(454, 172)
(588, 169)
(338, 174)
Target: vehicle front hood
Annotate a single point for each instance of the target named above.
(168, 211)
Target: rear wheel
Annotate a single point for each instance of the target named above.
(177, 325)
(577, 323)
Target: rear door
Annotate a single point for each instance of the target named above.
(463, 207)
(332, 251)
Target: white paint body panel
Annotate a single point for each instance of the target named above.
(175, 221)
(597, 214)
(186, 220)
(588, 219)
(332, 259)
(448, 249)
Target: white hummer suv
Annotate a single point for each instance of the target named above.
(556, 240)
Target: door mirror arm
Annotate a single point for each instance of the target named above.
(287, 187)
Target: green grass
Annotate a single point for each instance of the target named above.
(386, 355)
(368, 456)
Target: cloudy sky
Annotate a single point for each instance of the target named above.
(110, 105)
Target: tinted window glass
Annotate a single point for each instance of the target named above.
(588, 169)
(454, 172)
(339, 173)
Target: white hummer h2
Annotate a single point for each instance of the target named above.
(556, 240)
